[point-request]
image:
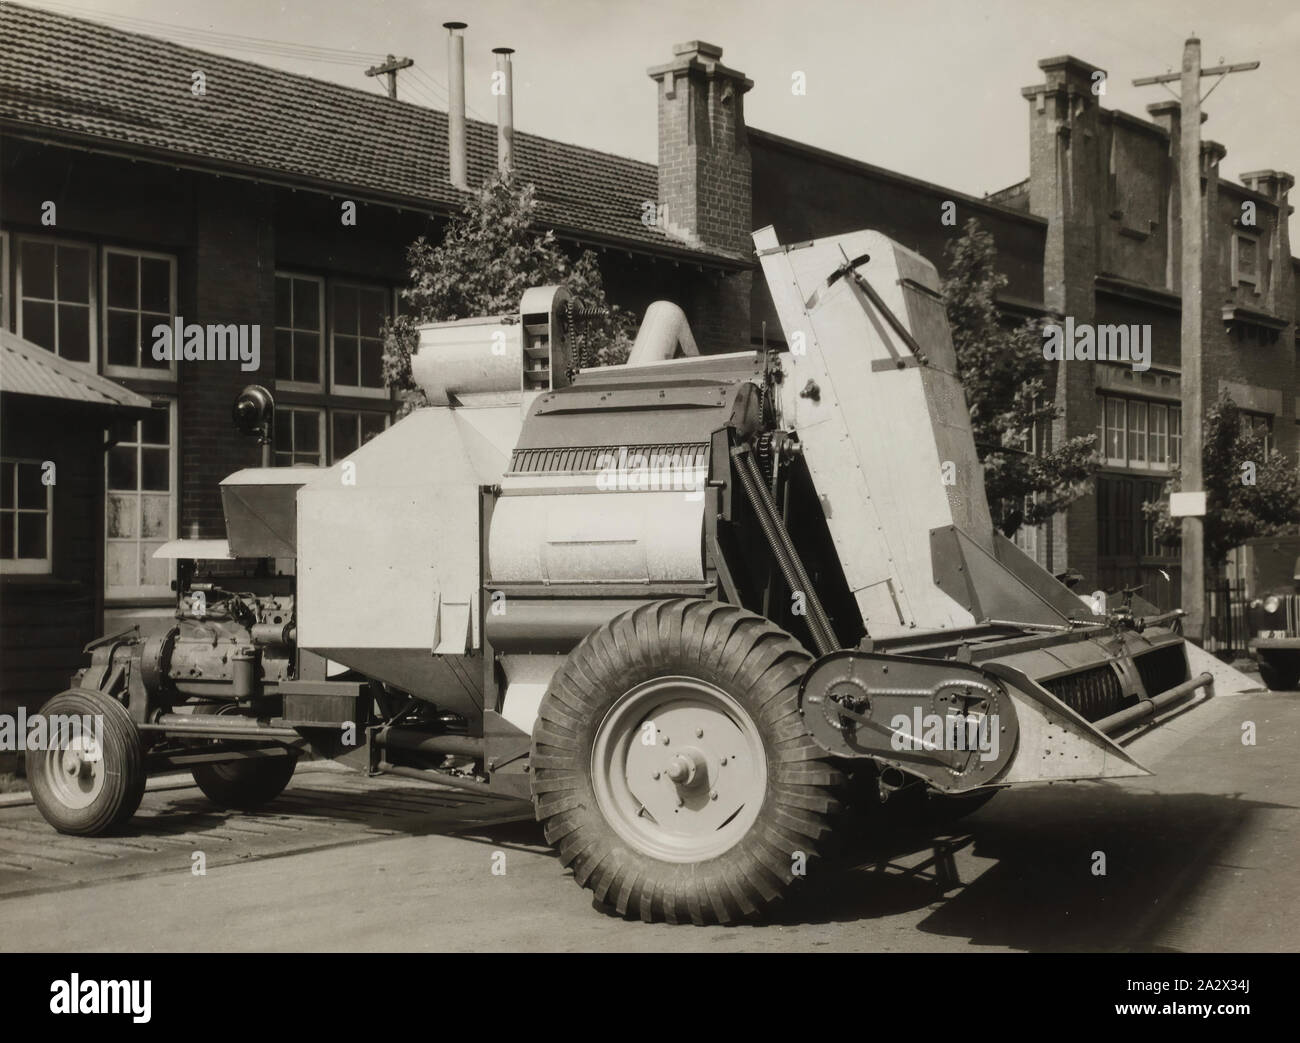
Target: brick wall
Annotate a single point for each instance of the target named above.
(230, 278)
(1107, 183)
(705, 182)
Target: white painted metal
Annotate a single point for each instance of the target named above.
(581, 534)
(527, 678)
(877, 439)
(663, 331)
(460, 361)
(388, 542)
(195, 550)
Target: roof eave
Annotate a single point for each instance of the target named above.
(358, 193)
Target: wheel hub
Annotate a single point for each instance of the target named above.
(679, 769)
(74, 775)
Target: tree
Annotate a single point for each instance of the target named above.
(1248, 492)
(1003, 372)
(491, 252)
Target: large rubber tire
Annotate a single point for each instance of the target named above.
(89, 788)
(1282, 675)
(682, 667)
(243, 785)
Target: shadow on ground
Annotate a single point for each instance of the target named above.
(1020, 873)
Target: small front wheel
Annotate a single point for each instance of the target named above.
(89, 778)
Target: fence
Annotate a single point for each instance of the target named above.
(1226, 624)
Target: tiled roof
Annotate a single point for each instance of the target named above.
(26, 369)
(79, 80)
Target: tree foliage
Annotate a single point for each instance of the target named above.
(490, 253)
(1003, 372)
(1248, 492)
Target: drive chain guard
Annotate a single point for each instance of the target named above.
(960, 727)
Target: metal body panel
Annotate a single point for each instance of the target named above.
(195, 550)
(396, 525)
(599, 537)
(260, 510)
(456, 361)
(875, 437)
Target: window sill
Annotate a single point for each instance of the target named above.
(38, 581)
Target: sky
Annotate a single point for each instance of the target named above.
(928, 88)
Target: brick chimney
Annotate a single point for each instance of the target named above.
(704, 167)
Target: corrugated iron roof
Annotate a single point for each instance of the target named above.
(78, 80)
(27, 369)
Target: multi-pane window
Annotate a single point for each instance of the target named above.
(139, 294)
(299, 330)
(1262, 425)
(1246, 261)
(140, 505)
(356, 338)
(350, 429)
(1153, 492)
(56, 297)
(25, 517)
(1136, 433)
(1123, 529)
(299, 436)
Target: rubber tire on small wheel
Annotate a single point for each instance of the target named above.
(757, 667)
(242, 785)
(121, 760)
(1280, 677)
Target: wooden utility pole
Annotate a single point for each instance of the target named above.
(389, 69)
(1194, 232)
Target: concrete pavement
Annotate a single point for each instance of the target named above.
(1199, 857)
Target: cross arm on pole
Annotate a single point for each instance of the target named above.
(389, 69)
(1174, 77)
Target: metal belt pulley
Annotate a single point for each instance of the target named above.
(945, 721)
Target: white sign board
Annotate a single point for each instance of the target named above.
(1187, 505)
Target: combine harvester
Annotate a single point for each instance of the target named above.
(679, 604)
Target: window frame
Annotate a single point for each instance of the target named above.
(322, 434)
(124, 595)
(324, 362)
(359, 390)
(92, 290)
(1170, 439)
(30, 566)
(1257, 421)
(356, 414)
(1238, 278)
(169, 374)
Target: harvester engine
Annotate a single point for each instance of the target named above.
(226, 646)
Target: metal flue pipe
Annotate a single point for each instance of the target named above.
(456, 104)
(503, 88)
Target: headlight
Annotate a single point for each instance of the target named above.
(1271, 604)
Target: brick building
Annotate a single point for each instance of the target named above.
(1107, 183)
(225, 207)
